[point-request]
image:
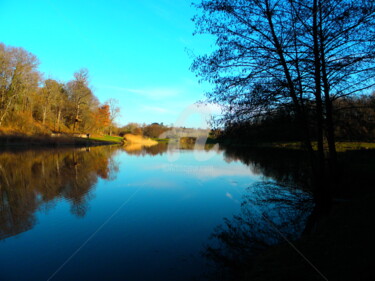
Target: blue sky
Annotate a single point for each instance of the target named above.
(135, 50)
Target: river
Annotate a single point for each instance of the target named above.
(109, 213)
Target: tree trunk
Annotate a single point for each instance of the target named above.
(318, 92)
(301, 115)
(330, 133)
(44, 116)
(5, 111)
(330, 129)
(322, 179)
(76, 118)
(58, 119)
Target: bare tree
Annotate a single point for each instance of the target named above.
(80, 94)
(52, 96)
(114, 111)
(303, 53)
(18, 78)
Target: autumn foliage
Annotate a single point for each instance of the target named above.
(29, 104)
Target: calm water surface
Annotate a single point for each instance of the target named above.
(106, 213)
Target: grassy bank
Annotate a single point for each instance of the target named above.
(112, 139)
(341, 146)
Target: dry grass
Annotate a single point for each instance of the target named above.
(6, 131)
(139, 140)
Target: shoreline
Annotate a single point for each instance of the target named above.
(24, 141)
(341, 146)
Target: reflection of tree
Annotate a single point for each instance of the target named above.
(284, 166)
(139, 150)
(161, 148)
(33, 179)
(270, 213)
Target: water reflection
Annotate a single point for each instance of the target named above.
(30, 180)
(288, 167)
(34, 179)
(140, 150)
(271, 213)
(161, 148)
(176, 206)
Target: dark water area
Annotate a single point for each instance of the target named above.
(157, 213)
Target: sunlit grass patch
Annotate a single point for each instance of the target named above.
(340, 146)
(344, 146)
(107, 138)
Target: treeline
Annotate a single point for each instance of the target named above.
(354, 120)
(156, 130)
(34, 105)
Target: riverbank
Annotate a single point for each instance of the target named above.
(341, 146)
(8, 141)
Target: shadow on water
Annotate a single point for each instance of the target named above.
(270, 214)
(288, 167)
(273, 211)
(35, 179)
(282, 208)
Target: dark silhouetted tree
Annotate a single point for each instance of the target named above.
(297, 53)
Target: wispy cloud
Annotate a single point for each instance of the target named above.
(156, 109)
(170, 104)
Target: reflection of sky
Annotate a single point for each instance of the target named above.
(161, 214)
(188, 197)
(159, 172)
(204, 172)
